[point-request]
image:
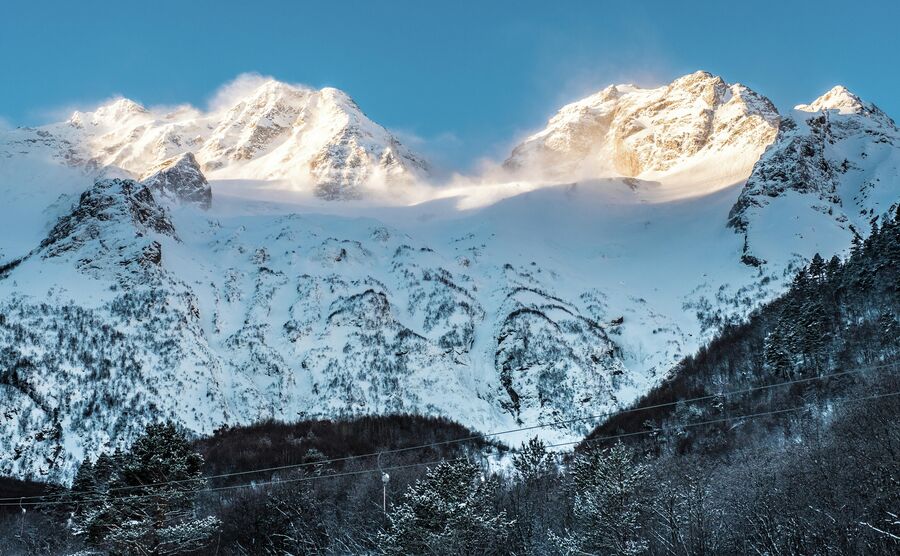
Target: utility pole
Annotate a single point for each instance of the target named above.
(22, 524)
(384, 481)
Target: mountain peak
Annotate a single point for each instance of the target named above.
(255, 128)
(180, 177)
(845, 103)
(109, 113)
(699, 78)
(838, 98)
(626, 130)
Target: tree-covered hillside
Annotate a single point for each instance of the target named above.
(779, 437)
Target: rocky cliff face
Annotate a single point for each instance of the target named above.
(629, 131)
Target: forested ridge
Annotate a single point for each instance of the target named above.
(790, 447)
(837, 318)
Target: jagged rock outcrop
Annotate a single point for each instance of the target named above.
(629, 131)
(180, 178)
(114, 226)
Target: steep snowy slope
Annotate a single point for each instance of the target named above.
(310, 139)
(625, 130)
(245, 312)
(246, 317)
(833, 170)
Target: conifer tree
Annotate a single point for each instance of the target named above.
(609, 503)
(145, 498)
(450, 511)
(533, 460)
(817, 268)
(777, 357)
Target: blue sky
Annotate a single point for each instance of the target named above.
(465, 77)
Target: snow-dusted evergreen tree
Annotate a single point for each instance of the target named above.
(608, 504)
(775, 351)
(534, 497)
(143, 502)
(533, 460)
(450, 511)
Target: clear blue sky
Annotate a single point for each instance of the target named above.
(468, 77)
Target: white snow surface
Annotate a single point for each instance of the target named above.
(499, 301)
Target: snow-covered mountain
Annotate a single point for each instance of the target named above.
(317, 139)
(832, 171)
(496, 304)
(625, 130)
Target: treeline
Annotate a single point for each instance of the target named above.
(831, 488)
(325, 491)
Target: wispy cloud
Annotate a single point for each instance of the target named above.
(65, 111)
(443, 150)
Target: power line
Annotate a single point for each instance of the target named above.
(480, 436)
(713, 421)
(242, 485)
(376, 470)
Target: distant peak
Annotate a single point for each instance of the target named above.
(699, 77)
(113, 110)
(274, 85)
(125, 104)
(272, 88)
(333, 92)
(838, 98)
(625, 130)
(339, 98)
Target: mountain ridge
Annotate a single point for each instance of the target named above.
(311, 139)
(629, 131)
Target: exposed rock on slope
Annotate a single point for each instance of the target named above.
(280, 319)
(629, 131)
(180, 178)
(113, 222)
